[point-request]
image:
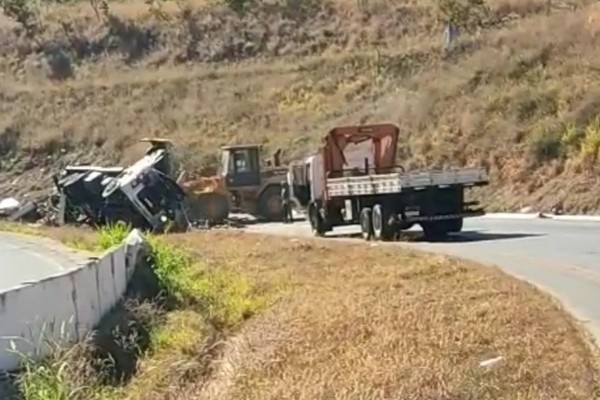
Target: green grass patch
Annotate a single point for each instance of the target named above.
(224, 298)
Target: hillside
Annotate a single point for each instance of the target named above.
(518, 93)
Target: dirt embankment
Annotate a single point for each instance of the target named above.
(516, 95)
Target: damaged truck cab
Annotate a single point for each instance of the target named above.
(144, 197)
(141, 195)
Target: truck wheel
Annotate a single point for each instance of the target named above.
(366, 224)
(381, 228)
(270, 206)
(455, 225)
(317, 225)
(435, 230)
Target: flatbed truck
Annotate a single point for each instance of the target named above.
(353, 180)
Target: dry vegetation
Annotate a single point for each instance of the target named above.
(517, 95)
(358, 322)
(337, 321)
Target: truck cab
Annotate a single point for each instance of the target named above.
(145, 196)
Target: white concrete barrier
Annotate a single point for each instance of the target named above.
(63, 308)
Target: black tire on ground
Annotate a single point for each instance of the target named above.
(455, 225)
(381, 228)
(435, 230)
(317, 225)
(366, 223)
(270, 206)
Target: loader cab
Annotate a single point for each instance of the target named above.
(240, 165)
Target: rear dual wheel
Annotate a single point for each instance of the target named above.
(375, 223)
(383, 228)
(366, 223)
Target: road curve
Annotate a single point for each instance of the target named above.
(26, 259)
(561, 257)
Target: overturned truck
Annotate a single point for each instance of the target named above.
(143, 195)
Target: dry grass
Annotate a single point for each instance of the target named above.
(355, 322)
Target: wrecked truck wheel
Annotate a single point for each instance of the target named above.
(270, 205)
(110, 188)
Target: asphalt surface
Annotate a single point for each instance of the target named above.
(560, 257)
(26, 259)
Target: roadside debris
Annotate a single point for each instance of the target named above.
(9, 205)
(491, 362)
(28, 212)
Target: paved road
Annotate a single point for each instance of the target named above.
(561, 257)
(24, 259)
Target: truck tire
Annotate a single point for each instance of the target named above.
(270, 206)
(317, 224)
(434, 230)
(455, 225)
(381, 228)
(366, 223)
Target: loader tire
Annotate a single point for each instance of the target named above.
(270, 206)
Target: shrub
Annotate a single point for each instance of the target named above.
(545, 144)
(590, 145)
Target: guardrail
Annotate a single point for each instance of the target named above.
(63, 308)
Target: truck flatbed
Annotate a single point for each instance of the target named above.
(397, 182)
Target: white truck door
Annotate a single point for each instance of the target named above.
(317, 180)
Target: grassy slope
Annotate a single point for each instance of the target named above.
(506, 98)
(362, 322)
(336, 321)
